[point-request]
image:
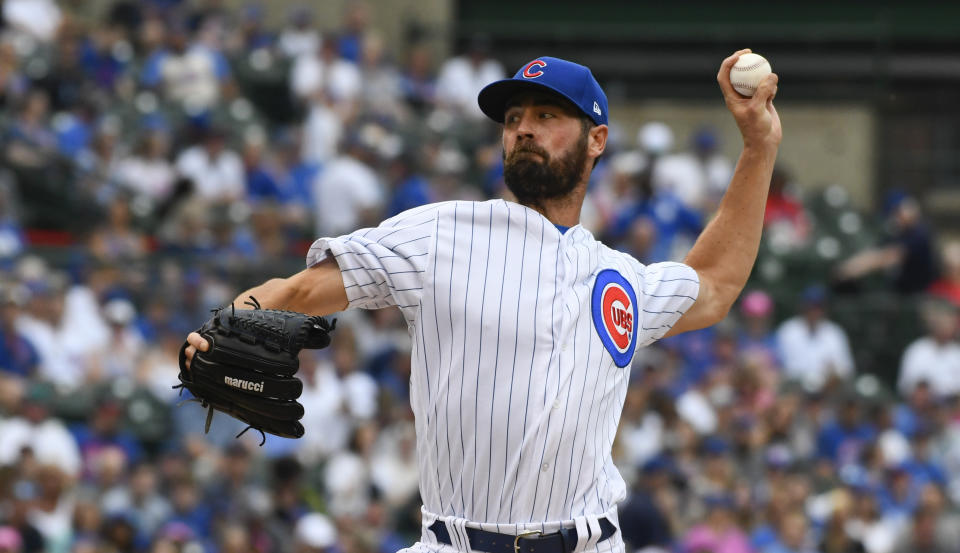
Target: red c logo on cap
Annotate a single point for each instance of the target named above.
(535, 73)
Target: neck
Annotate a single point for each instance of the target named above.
(564, 211)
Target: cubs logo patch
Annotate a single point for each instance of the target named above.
(533, 69)
(614, 306)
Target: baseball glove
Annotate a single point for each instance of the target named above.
(248, 371)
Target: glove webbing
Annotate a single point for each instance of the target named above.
(206, 405)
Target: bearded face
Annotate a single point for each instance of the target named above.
(533, 175)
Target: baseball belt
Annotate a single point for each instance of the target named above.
(563, 541)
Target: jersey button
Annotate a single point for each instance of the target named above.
(544, 467)
(556, 404)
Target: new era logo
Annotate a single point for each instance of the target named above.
(596, 108)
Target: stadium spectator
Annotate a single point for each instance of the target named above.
(18, 356)
(908, 254)
(347, 193)
(10, 540)
(935, 357)
(116, 240)
(252, 33)
(215, 170)
(140, 500)
(356, 21)
(847, 436)
(381, 91)
(39, 19)
(190, 75)
(785, 217)
(52, 509)
(13, 83)
(322, 132)
(815, 350)
(33, 435)
(418, 81)
(30, 142)
(314, 533)
(651, 221)
(792, 535)
(645, 524)
(948, 285)
(326, 73)
(461, 78)
(42, 323)
(299, 37)
(147, 171)
(757, 341)
(719, 533)
(698, 177)
(408, 188)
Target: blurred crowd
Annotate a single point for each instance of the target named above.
(164, 155)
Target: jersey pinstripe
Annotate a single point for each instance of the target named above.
(516, 397)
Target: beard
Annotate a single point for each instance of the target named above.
(534, 180)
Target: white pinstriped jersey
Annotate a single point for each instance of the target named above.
(522, 341)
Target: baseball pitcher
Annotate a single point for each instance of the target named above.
(523, 325)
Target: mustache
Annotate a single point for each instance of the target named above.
(528, 148)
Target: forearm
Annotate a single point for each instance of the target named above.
(727, 248)
(272, 294)
(318, 291)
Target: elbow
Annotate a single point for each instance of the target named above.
(718, 312)
(724, 297)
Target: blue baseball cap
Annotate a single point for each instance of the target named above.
(571, 80)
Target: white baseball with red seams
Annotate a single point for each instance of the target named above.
(746, 74)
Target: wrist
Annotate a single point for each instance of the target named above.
(760, 149)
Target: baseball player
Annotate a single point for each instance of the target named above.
(524, 326)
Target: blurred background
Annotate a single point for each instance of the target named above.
(158, 157)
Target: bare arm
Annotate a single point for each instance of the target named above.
(869, 261)
(318, 291)
(724, 254)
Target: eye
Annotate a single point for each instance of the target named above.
(512, 118)
(546, 115)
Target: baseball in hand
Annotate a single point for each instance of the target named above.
(746, 74)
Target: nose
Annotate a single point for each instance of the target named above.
(525, 127)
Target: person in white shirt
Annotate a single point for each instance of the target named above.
(148, 172)
(697, 177)
(216, 172)
(934, 358)
(322, 132)
(814, 349)
(299, 37)
(35, 430)
(185, 73)
(347, 192)
(40, 19)
(325, 72)
(462, 77)
(524, 325)
(42, 323)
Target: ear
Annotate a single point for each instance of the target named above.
(597, 141)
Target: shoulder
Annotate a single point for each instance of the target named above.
(421, 214)
(834, 328)
(790, 326)
(919, 346)
(193, 154)
(490, 208)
